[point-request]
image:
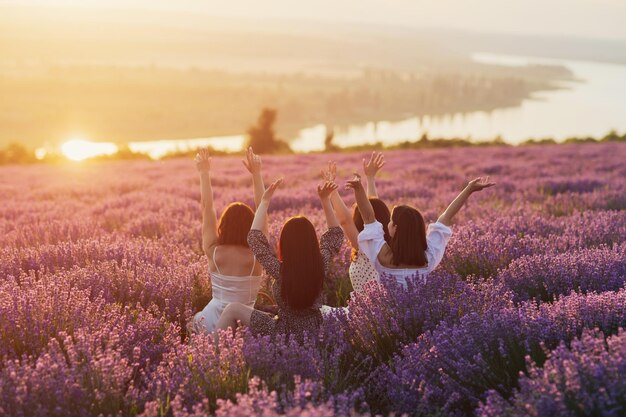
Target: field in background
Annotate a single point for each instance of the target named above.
(100, 268)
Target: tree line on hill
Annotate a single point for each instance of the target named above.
(262, 137)
(170, 103)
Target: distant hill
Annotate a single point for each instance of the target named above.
(557, 47)
(185, 39)
(182, 39)
(119, 75)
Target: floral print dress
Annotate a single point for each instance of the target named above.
(289, 321)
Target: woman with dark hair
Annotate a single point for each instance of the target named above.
(235, 272)
(361, 270)
(411, 250)
(298, 271)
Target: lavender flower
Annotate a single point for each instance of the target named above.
(585, 379)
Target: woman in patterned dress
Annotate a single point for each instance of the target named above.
(361, 270)
(298, 272)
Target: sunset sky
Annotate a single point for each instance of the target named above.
(583, 18)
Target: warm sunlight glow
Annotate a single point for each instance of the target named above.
(79, 149)
(40, 153)
(158, 149)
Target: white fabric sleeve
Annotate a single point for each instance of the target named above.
(371, 241)
(437, 238)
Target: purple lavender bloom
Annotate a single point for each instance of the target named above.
(585, 379)
(99, 273)
(450, 369)
(544, 277)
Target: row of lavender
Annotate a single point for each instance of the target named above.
(100, 267)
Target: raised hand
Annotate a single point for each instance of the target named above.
(479, 184)
(252, 162)
(362, 202)
(269, 192)
(203, 160)
(375, 163)
(355, 183)
(325, 190)
(331, 173)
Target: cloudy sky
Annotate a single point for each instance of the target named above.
(583, 18)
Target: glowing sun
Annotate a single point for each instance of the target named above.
(80, 149)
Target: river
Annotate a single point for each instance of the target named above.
(591, 106)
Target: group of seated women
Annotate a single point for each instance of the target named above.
(393, 243)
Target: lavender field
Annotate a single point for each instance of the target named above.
(101, 267)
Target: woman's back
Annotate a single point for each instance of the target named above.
(233, 260)
(235, 277)
(235, 273)
(290, 320)
(372, 243)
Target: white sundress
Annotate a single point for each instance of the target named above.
(226, 289)
(372, 239)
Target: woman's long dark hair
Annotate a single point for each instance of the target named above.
(235, 224)
(408, 244)
(382, 214)
(302, 268)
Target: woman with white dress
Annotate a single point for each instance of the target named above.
(234, 270)
(411, 250)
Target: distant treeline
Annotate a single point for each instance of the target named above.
(19, 154)
(426, 143)
(170, 103)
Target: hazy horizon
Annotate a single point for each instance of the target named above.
(599, 19)
(140, 70)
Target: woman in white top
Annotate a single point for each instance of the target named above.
(361, 269)
(235, 273)
(411, 251)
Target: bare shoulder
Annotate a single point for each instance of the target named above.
(233, 252)
(232, 259)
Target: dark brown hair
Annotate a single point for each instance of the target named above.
(408, 244)
(382, 214)
(235, 224)
(302, 268)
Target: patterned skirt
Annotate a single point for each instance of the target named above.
(286, 322)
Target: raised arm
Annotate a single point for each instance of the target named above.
(209, 217)
(332, 239)
(477, 184)
(253, 165)
(370, 169)
(260, 216)
(256, 238)
(341, 210)
(324, 191)
(362, 202)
